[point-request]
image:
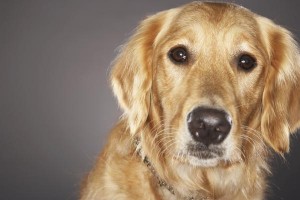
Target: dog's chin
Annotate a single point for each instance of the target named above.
(200, 159)
(212, 161)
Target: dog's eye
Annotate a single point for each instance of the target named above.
(247, 62)
(178, 55)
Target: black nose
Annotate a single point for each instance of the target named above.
(208, 126)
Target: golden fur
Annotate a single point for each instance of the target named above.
(156, 96)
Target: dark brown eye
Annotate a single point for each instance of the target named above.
(246, 62)
(178, 55)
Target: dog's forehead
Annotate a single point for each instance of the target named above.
(210, 22)
(214, 15)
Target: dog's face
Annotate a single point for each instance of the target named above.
(209, 77)
(211, 82)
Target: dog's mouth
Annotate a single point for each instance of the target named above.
(199, 155)
(203, 152)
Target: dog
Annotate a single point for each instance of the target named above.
(209, 92)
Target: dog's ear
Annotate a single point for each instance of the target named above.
(132, 73)
(281, 97)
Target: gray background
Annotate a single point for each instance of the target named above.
(56, 106)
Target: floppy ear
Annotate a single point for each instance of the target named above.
(281, 97)
(132, 74)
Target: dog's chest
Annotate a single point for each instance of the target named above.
(227, 183)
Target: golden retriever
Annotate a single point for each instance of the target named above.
(206, 89)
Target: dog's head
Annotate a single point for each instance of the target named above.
(209, 82)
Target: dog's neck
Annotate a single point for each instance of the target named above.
(162, 183)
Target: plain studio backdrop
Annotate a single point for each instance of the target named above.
(56, 105)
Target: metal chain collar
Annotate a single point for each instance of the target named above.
(161, 182)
